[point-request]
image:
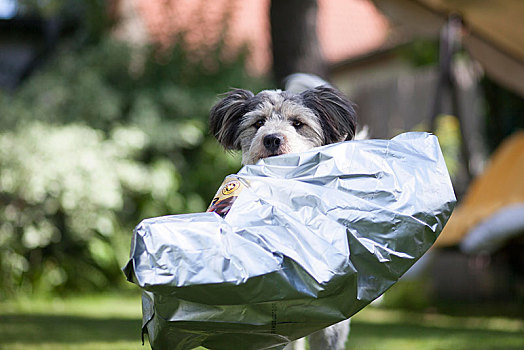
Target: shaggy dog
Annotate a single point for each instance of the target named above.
(308, 113)
(275, 122)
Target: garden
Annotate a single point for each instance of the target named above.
(92, 143)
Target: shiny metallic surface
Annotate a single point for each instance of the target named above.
(312, 239)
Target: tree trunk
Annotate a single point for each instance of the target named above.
(294, 38)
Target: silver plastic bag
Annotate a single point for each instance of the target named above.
(309, 240)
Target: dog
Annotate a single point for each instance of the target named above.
(308, 113)
(276, 122)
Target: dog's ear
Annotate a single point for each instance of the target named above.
(225, 117)
(336, 113)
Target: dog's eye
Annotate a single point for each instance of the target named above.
(258, 124)
(297, 124)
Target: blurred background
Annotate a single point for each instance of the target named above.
(103, 122)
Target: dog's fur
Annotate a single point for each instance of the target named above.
(275, 122)
(309, 113)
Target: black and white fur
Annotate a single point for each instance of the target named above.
(275, 122)
(309, 113)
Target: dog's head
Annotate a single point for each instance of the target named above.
(275, 122)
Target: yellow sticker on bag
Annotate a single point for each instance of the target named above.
(226, 196)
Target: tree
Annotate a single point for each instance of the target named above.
(294, 38)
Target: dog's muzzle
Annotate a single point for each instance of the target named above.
(272, 142)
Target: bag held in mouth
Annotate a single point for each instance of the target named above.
(305, 240)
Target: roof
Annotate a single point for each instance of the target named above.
(346, 28)
(495, 36)
(492, 33)
(498, 22)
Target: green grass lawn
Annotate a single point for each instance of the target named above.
(111, 322)
(78, 323)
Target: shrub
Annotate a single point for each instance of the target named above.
(88, 149)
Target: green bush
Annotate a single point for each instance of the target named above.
(408, 295)
(89, 148)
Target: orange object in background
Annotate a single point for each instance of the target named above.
(501, 185)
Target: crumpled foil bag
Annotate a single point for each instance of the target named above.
(310, 240)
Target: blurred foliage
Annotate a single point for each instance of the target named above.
(92, 18)
(420, 52)
(447, 129)
(89, 148)
(504, 112)
(408, 294)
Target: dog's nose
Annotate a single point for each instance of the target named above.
(273, 141)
